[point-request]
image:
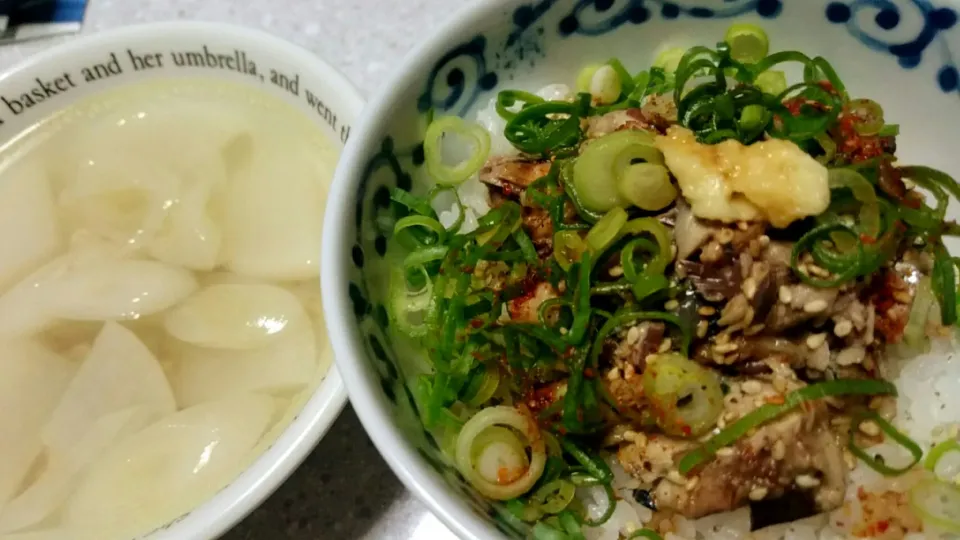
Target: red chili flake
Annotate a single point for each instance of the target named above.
(686, 430)
(588, 373)
(776, 400)
(883, 525)
(476, 323)
(828, 86)
(867, 239)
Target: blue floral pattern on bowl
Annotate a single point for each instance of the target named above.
(909, 38)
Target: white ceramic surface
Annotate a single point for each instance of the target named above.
(898, 52)
(57, 75)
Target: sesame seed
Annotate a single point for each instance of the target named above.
(629, 435)
(665, 345)
(817, 271)
(707, 311)
(724, 236)
(869, 428)
(628, 371)
(815, 341)
(815, 306)
(903, 297)
(563, 330)
(779, 450)
(785, 294)
(725, 348)
(807, 481)
(722, 338)
(702, 328)
(721, 423)
(692, 483)
(633, 335)
(843, 328)
(758, 493)
(750, 288)
(743, 225)
(613, 374)
(849, 459)
(616, 271)
(755, 329)
(764, 240)
(751, 387)
(671, 305)
(725, 452)
(675, 477)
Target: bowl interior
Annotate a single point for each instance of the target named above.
(46, 83)
(899, 53)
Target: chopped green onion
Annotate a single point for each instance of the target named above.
(568, 246)
(772, 82)
(593, 465)
(891, 432)
(915, 333)
(769, 411)
(669, 59)
(944, 281)
(605, 85)
(509, 98)
(489, 382)
(585, 77)
(553, 497)
(547, 127)
(597, 172)
(659, 233)
(542, 531)
(937, 452)
(645, 533)
(605, 231)
(889, 130)
(686, 396)
(475, 136)
(937, 503)
(748, 42)
(869, 115)
(647, 186)
(863, 191)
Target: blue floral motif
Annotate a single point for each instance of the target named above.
(597, 17)
(450, 70)
(910, 53)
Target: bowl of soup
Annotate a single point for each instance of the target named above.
(162, 191)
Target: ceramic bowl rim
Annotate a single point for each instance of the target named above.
(271, 468)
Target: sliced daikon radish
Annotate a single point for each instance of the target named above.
(60, 533)
(124, 185)
(170, 467)
(189, 236)
(308, 292)
(120, 197)
(286, 366)
(32, 379)
(119, 373)
(235, 316)
(91, 282)
(283, 189)
(29, 231)
(120, 289)
(64, 467)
